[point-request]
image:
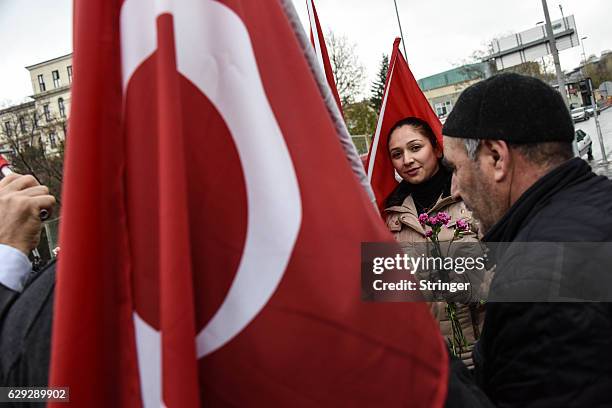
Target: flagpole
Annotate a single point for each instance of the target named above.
(341, 130)
(315, 34)
(400, 28)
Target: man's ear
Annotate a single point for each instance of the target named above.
(497, 158)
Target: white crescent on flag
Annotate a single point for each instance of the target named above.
(209, 38)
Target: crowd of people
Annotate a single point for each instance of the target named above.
(506, 166)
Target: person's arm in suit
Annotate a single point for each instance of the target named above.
(21, 199)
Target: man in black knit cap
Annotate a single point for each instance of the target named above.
(509, 143)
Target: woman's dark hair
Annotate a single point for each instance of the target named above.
(419, 125)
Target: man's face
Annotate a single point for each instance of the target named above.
(473, 182)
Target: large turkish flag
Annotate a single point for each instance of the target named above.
(211, 224)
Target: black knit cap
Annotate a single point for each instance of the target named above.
(511, 107)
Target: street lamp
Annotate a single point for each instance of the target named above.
(555, 53)
(544, 32)
(562, 16)
(583, 53)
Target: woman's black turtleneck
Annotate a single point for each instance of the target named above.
(424, 194)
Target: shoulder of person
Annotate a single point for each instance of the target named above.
(397, 215)
(565, 221)
(581, 211)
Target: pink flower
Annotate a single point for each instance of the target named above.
(433, 220)
(462, 225)
(443, 217)
(423, 218)
(429, 234)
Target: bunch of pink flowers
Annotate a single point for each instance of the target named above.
(457, 341)
(436, 222)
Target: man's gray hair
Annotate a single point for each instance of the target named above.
(471, 147)
(546, 153)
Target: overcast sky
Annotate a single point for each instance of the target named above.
(439, 34)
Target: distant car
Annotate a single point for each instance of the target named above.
(590, 110)
(579, 114)
(583, 144)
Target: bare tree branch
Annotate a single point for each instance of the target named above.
(24, 130)
(349, 73)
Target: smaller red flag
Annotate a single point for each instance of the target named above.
(402, 98)
(318, 43)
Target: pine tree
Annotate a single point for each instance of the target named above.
(378, 86)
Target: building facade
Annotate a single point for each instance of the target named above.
(43, 121)
(442, 90)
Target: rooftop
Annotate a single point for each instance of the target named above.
(39, 64)
(453, 76)
(23, 105)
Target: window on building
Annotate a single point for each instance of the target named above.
(41, 83)
(443, 108)
(53, 140)
(35, 119)
(46, 111)
(56, 79)
(8, 129)
(22, 125)
(69, 69)
(62, 108)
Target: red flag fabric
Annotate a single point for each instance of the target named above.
(402, 98)
(205, 259)
(3, 162)
(318, 43)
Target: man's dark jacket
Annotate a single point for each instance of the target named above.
(550, 354)
(25, 331)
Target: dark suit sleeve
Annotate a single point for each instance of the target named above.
(7, 297)
(25, 334)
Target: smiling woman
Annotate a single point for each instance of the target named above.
(416, 155)
(414, 151)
